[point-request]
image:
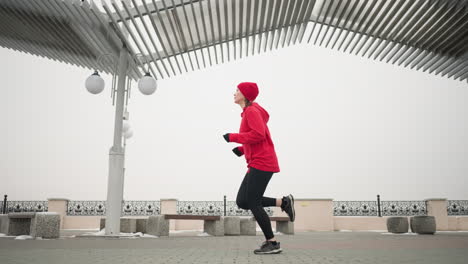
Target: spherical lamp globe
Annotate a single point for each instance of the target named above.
(128, 134)
(125, 126)
(94, 83)
(147, 84)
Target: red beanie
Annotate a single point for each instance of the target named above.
(249, 90)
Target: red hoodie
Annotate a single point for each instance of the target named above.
(255, 138)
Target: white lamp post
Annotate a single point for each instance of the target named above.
(115, 186)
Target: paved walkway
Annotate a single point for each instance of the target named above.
(306, 247)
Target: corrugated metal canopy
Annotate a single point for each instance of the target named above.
(73, 32)
(175, 36)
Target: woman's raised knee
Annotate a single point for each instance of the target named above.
(243, 204)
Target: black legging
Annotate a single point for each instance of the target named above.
(250, 196)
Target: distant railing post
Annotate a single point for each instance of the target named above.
(378, 205)
(224, 205)
(5, 205)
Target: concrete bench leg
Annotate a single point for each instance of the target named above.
(157, 226)
(102, 223)
(19, 226)
(397, 225)
(141, 225)
(46, 225)
(285, 227)
(214, 228)
(232, 225)
(248, 227)
(127, 225)
(4, 224)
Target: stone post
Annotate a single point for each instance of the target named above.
(169, 206)
(58, 205)
(312, 214)
(437, 207)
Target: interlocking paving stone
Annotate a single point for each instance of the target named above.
(304, 247)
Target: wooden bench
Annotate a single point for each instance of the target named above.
(159, 225)
(193, 217)
(216, 225)
(279, 218)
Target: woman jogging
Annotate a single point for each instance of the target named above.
(260, 155)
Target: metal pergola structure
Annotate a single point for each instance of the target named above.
(175, 36)
(130, 38)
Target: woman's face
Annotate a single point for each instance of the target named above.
(238, 97)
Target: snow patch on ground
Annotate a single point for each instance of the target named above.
(81, 230)
(23, 237)
(462, 231)
(99, 233)
(149, 236)
(378, 231)
(122, 235)
(63, 237)
(411, 234)
(184, 231)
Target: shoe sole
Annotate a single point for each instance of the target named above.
(292, 206)
(276, 251)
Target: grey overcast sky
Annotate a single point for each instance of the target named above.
(344, 127)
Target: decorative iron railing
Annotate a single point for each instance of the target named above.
(86, 208)
(141, 208)
(371, 208)
(97, 208)
(25, 206)
(214, 208)
(355, 208)
(403, 208)
(146, 208)
(457, 207)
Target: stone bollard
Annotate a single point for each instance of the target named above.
(397, 225)
(157, 225)
(423, 224)
(214, 227)
(127, 225)
(46, 225)
(248, 226)
(232, 225)
(141, 225)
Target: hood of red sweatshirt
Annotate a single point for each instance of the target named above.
(260, 109)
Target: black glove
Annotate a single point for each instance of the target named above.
(226, 137)
(237, 151)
